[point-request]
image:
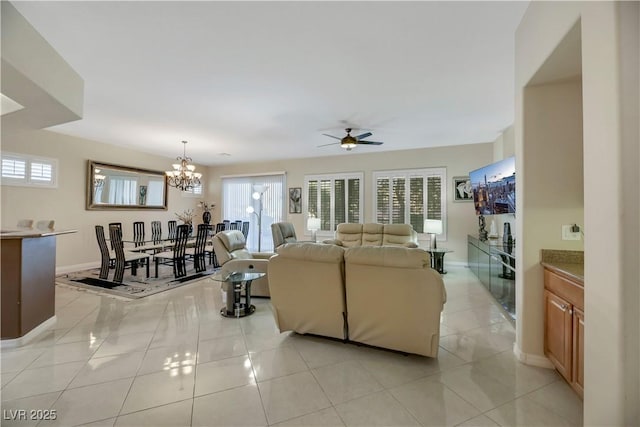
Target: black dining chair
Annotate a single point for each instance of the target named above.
(220, 227)
(156, 232)
(226, 223)
(140, 242)
(117, 224)
(233, 226)
(245, 229)
(176, 256)
(172, 229)
(118, 257)
(197, 252)
(123, 258)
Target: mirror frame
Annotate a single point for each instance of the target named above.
(91, 205)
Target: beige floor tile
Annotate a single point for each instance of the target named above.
(318, 352)
(171, 415)
(345, 381)
(218, 329)
(505, 368)
(481, 342)
(433, 404)
(120, 344)
(472, 318)
(560, 398)
(91, 403)
(292, 396)
(14, 360)
(268, 339)
(479, 421)
(48, 379)
(19, 412)
(482, 391)
(6, 377)
(378, 409)
(168, 358)
(223, 374)
(110, 368)
(159, 389)
(278, 362)
(323, 418)
(221, 348)
(109, 422)
(64, 353)
(174, 337)
(236, 407)
(525, 412)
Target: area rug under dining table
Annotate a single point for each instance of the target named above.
(133, 287)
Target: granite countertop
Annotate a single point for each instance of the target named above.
(25, 234)
(569, 263)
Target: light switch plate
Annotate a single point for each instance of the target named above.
(568, 235)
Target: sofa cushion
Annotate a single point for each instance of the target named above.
(398, 234)
(372, 234)
(388, 256)
(349, 234)
(316, 252)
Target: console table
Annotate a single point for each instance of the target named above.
(28, 282)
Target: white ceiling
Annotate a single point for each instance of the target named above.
(264, 80)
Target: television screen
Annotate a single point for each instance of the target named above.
(494, 188)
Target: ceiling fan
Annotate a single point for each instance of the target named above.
(349, 142)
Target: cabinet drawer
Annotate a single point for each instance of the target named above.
(564, 288)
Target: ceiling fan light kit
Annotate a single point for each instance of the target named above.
(350, 142)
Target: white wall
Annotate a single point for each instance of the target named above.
(609, 398)
(458, 160)
(66, 204)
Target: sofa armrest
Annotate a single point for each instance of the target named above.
(411, 245)
(262, 255)
(246, 265)
(333, 242)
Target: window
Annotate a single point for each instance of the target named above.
(195, 191)
(410, 197)
(30, 171)
(334, 198)
(237, 194)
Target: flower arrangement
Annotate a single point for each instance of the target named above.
(206, 207)
(186, 216)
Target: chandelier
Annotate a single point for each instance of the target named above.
(183, 175)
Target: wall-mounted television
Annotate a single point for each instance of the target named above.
(494, 188)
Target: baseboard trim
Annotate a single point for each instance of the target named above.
(29, 336)
(77, 267)
(532, 359)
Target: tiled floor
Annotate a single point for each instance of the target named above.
(172, 360)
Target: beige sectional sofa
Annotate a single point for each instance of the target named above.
(372, 234)
(385, 296)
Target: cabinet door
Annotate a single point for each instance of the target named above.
(557, 333)
(578, 351)
(484, 269)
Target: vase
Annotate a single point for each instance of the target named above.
(206, 217)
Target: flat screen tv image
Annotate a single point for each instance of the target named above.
(494, 188)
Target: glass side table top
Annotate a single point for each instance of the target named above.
(236, 276)
(438, 250)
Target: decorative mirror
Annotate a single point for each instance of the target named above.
(121, 187)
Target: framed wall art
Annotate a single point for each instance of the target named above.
(295, 200)
(462, 191)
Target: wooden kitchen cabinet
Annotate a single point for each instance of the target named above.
(564, 327)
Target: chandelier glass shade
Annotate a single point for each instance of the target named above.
(183, 176)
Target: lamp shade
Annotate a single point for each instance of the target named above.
(433, 226)
(313, 224)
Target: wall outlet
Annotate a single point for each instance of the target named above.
(567, 234)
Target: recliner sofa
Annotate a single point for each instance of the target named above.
(351, 235)
(385, 296)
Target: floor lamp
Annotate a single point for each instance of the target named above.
(433, 227)
(258, 191)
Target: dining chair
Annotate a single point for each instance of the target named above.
(117, 224)
(220, 227)
(176, 256)
(197, 252)
(172, 229)
(245, 229)
(45, 224)
(25, 223)
(226, 223)
(233, 226)
(109, 258)
(122, 257)
(140, 242)
(156, 232)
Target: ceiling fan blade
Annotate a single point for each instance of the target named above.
(333, 143)
(364, 135)
(370, 142)
(331, 136)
